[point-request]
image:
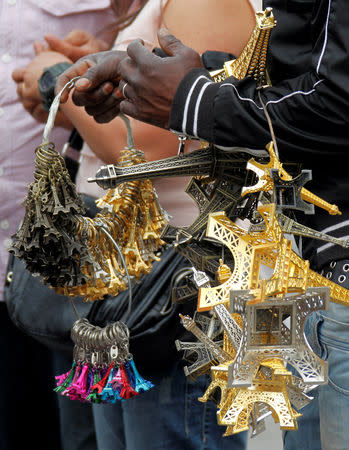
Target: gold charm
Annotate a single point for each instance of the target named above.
(252, 60)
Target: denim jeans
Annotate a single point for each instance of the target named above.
(28, 406)
(325, 421)
(168, 417)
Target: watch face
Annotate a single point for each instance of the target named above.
(47, 81)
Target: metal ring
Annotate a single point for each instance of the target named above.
(346, 267)
(341, 278)
(328, 275)
(333, 264)
(123, 90)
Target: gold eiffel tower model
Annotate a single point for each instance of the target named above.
(252, 60)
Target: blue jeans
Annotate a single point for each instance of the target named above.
(168, 417)
(325, 421)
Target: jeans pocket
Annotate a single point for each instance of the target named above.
(338, 368)
(312, 329)
(334, 340)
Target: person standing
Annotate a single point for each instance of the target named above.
(26, 375)
(167, 416)
(308, 104)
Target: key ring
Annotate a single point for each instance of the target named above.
(54, 109)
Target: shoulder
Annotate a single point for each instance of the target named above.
(223, 25)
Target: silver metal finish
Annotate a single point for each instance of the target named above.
(290, 345)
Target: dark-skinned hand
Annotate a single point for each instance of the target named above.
(152, 81)
(100, 77)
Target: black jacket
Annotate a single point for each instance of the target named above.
(308, 105)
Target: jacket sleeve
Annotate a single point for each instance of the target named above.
(310, 112)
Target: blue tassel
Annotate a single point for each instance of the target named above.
(110, 395)
(138, 383)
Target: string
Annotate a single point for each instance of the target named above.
(271, 128)
(129, 307)
(74, 308)
(130, 138)
(54, 109)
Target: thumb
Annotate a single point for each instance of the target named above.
(106, 70)
(169, 43)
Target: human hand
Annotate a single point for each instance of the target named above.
(94, 90)
(27, 77)
(149, 82)
(27, 85)
(76, 44)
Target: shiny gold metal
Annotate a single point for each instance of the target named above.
(252, 60)
(223, 272)
(265, 181)
(130, 214)
(235, 405)
(252, 249)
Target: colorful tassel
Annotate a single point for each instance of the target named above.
(127, 390)
(103, 370)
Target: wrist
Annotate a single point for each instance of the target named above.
(47, 82)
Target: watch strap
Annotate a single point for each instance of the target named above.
(48, 94)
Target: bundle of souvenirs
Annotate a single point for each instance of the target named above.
(103, 370)
(253, 290)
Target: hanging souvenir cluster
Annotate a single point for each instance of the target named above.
(103, 370)
(75, 254)
(80, 256)
(254, 291)
(263, 294)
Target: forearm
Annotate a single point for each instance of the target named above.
(230, 113)
(107, 140)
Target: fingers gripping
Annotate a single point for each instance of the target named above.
(78, 69)
(169, 43)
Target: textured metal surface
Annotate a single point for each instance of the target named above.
(216, 351)
(273, 170)
(289, 225)
(252, 60)
(290, 345)
(209, 161)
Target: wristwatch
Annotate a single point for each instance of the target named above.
(47, 82)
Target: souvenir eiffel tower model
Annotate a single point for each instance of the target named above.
(77, 255)
(261, 291)
(263, 317)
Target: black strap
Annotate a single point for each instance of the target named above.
(75, 142)
(337, 271)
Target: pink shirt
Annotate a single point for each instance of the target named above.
(21, 23)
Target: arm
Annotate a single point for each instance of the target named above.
(223, 25)
(309, 111)
(72, 47)
(232, 34)
(154, 141)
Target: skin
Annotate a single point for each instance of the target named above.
(76, 44)
(152, 80)
(229, 35)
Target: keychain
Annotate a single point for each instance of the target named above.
(73, 253)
